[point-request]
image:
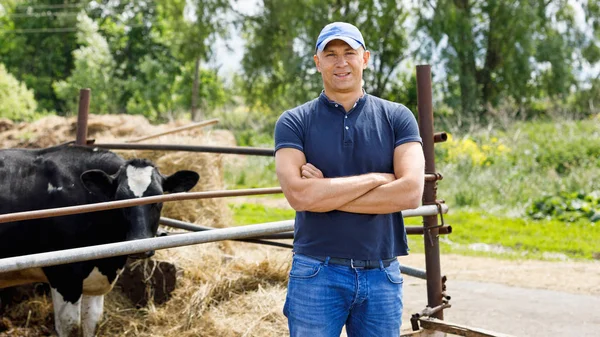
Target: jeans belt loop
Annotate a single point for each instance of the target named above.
(327, 261)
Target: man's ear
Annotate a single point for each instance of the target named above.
(99, 183)
(317, 64)
(366, 57)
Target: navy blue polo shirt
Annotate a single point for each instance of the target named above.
(344, 144)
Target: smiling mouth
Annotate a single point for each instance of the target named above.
(342, 75)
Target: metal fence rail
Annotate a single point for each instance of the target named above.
(255, 151)
(60, 211)
(46, 213)
(143, 245)
(140, 246)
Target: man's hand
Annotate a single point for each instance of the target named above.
(311, 171)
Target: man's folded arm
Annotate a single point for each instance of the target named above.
(320, 195)
(405, 192)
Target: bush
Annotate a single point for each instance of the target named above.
(16, 101)
(569, 207)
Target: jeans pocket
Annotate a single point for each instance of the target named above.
(304, 268)
(393, 273)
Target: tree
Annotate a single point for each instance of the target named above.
(279, 71)
(133, 32)
(37, 38)
(504, 49)
(191, 27)
(94, 68)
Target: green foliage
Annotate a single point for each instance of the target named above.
(31, 53)
(153, 92)
(134, 39)
(492, 60)
(558, 146)
(505, 171)
(569, 207)
(496, 50)
(481, 233)
(94, 68)
(212, 92)
(256, 172)
(192, 26)
(161, 93)
(16, 101)
(279, 70)
(247, 214)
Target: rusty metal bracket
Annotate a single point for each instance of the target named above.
(439, 206)
(438, 203)
(427, 312)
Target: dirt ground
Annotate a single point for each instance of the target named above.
(568, 276)
(520, 298)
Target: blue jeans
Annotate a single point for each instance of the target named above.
(322, 297)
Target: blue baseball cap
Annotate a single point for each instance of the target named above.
(340, 31)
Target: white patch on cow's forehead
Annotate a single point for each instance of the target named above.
(139, 178)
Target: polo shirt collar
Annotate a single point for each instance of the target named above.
(323, 98)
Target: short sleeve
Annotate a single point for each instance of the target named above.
(406, 128)
(289, 132)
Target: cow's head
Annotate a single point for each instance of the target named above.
(138, 178)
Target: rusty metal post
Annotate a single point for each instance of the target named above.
(82, 116)
(432, 247)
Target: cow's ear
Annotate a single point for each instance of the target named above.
(99, 183)
(180, 181)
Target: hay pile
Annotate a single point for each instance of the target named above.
(218, 295)
(225, 289)
(54, 130)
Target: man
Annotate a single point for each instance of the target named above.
(348, 163)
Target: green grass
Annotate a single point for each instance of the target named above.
(476, 233)
(247, 214)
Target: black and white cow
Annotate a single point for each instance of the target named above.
(72, 175)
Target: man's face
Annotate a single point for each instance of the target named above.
(341, 66)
